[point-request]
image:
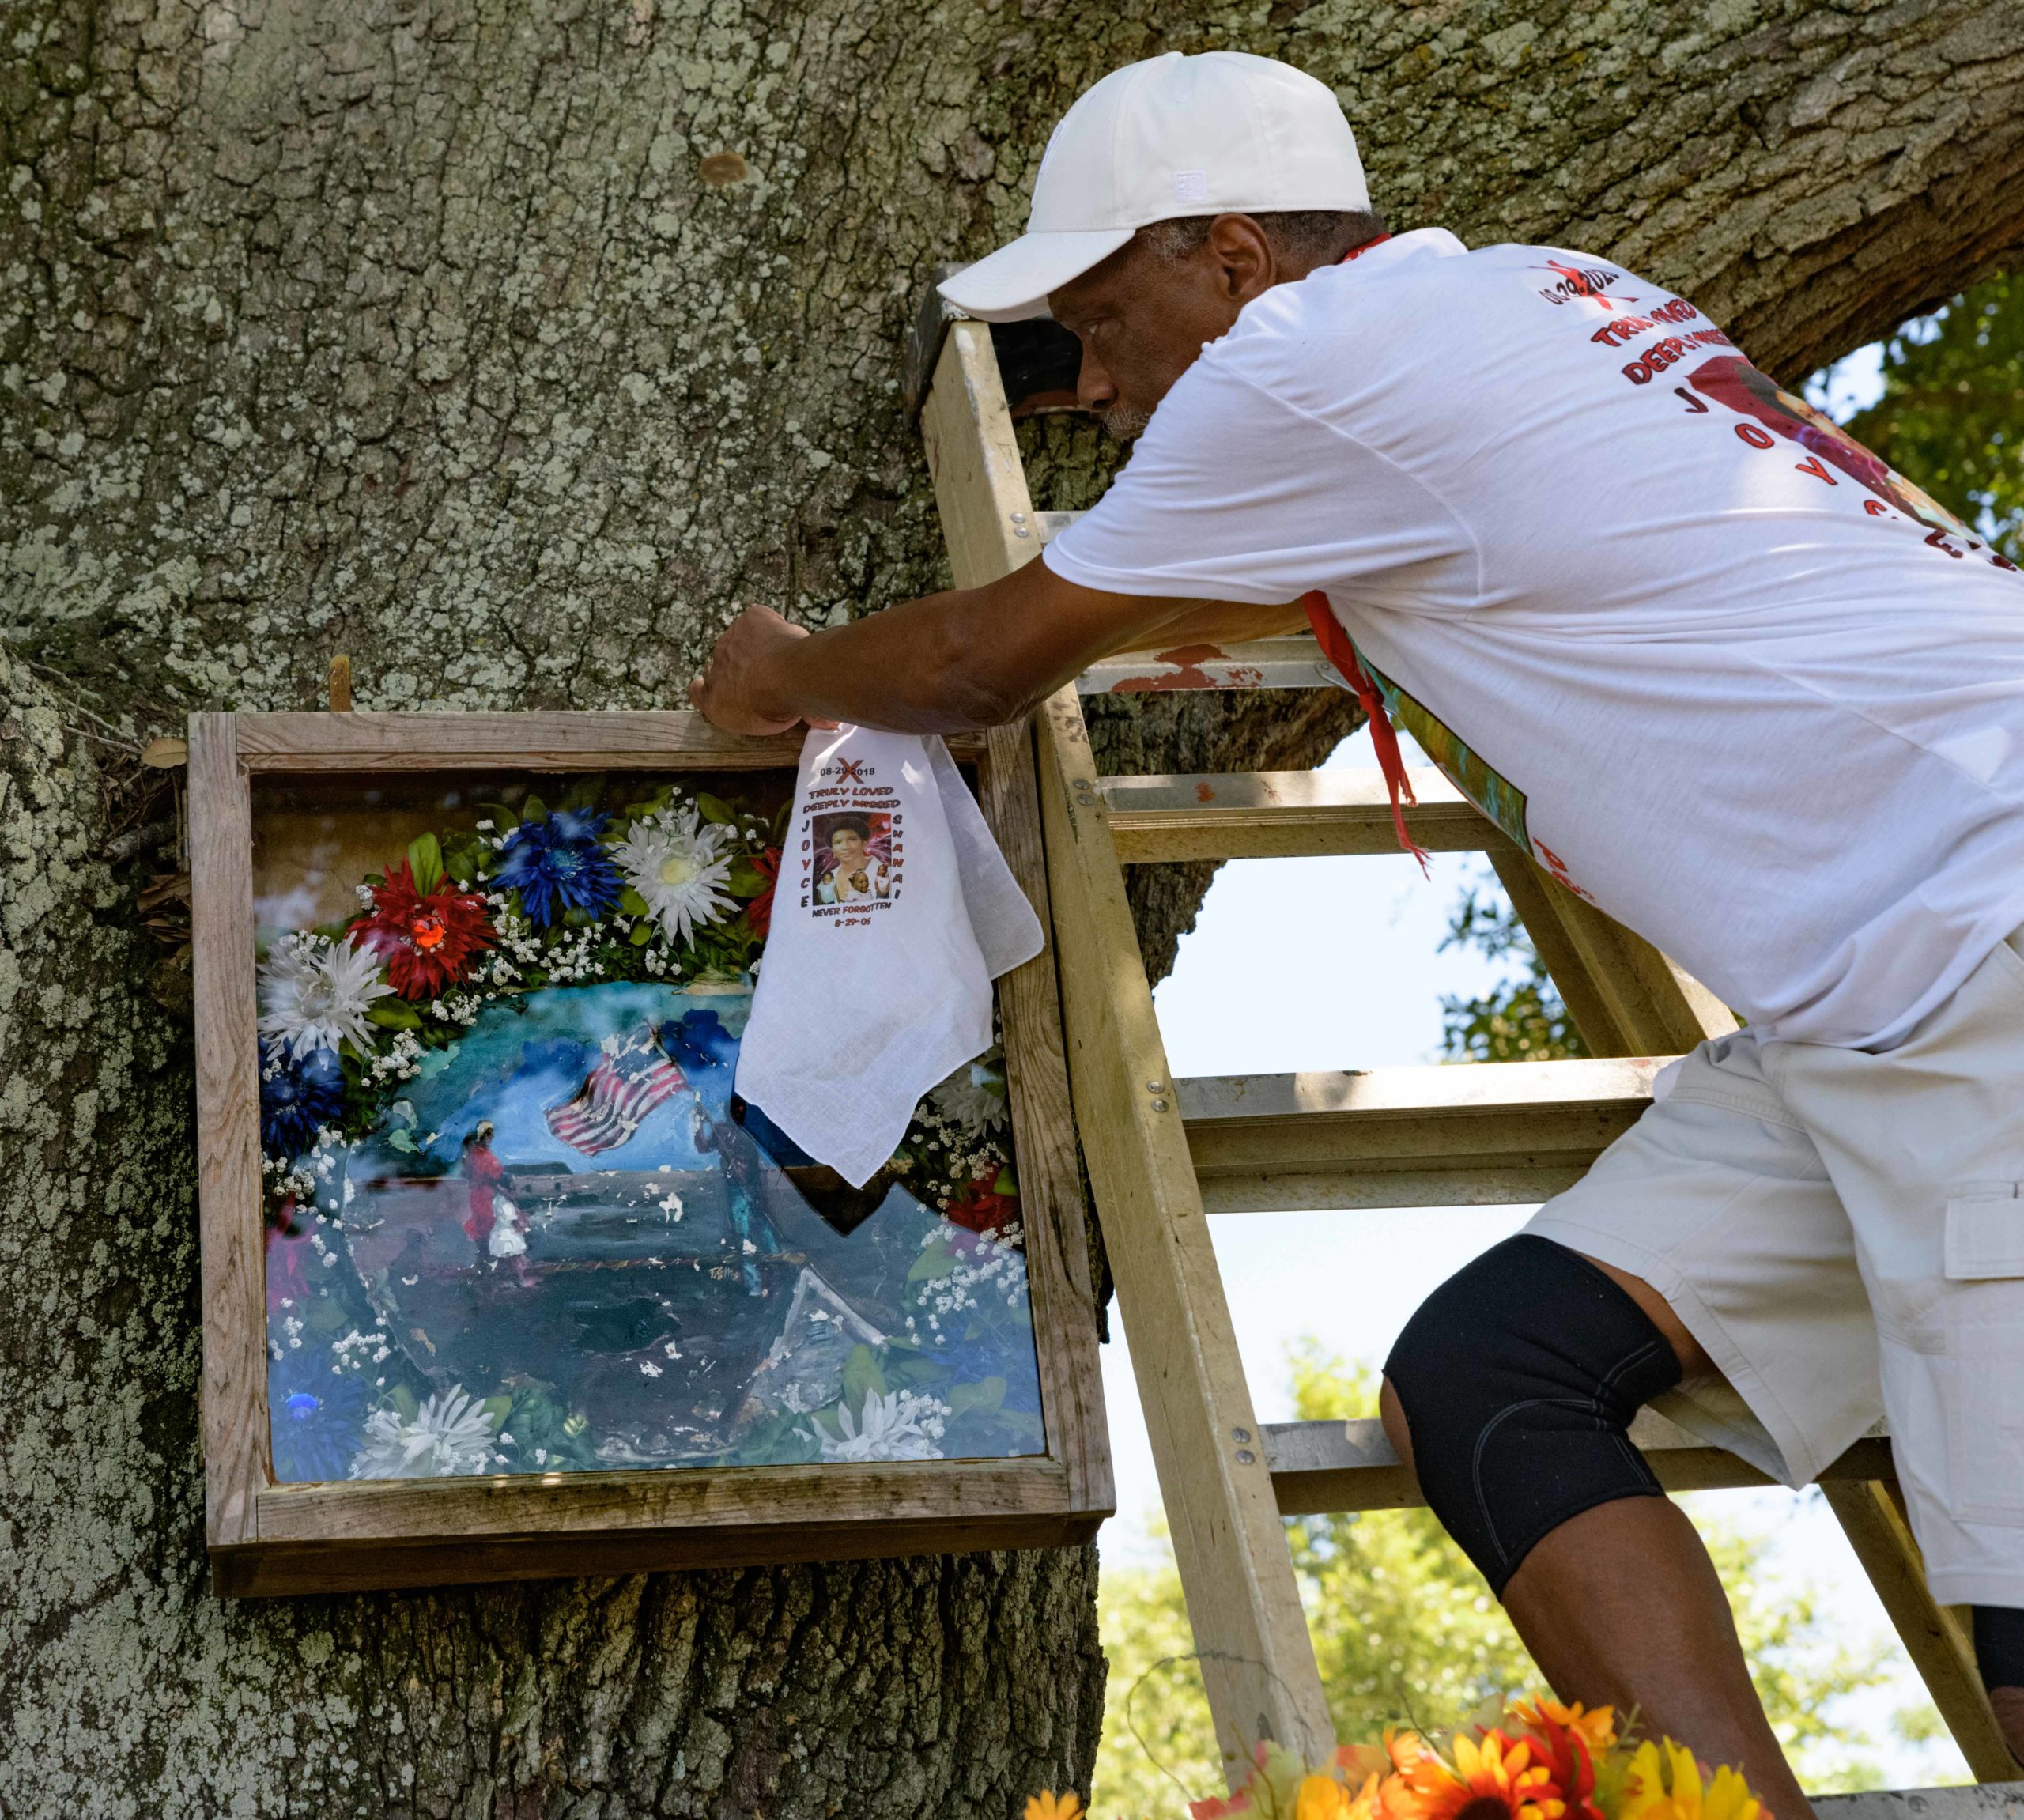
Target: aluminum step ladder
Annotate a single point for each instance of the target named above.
(1164, 1154)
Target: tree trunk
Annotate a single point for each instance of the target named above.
(509, 350)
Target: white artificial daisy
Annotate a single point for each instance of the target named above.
(973, 1097)
(315, 992)
(451, 1435)
(901, 1426)
(675, 861)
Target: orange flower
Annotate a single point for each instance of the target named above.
(1492, 1779)
(1596, 1726)
(1567, 1739)
(1354, 1761)
(1046, 1804)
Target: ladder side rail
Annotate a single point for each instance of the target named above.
(1237, 1571)
(1934, 1636)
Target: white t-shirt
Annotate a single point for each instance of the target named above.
(1715, 666)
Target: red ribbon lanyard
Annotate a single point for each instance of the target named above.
(1335, 645)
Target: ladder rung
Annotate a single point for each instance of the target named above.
(1275, 814)
(1476, 1133)
(1977, 1801)
(1291, 662)
(1320, 1468)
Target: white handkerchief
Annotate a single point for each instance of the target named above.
(894, 913)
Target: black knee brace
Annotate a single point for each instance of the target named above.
(1519, 1377)
(1999, 1646)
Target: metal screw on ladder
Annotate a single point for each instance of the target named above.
(1019, 526)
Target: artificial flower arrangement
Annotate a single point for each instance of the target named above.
(1527, 1759)
(473, 975)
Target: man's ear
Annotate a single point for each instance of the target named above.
(1245, 264)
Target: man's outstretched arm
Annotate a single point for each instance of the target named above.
(951, 663)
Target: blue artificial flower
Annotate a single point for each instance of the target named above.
(297, 1094)
(699, 1042)
(317, 1416)
(557, 865)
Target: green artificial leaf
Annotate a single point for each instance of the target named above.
(403, 1400)
(498, 1408)
(584, 792)
(985, 1397)
(400, 1141)
(533, 810)
(426, 860)
(643, 933)
(631, 904)
(394, 1014)
(912, 1370)
(933, 1263)
(715, 809)
(464, 858)
(745, 880)
(862, 1373)
(503, 820)
(1005, 1183)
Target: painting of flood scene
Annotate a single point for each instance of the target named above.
(518, 1220)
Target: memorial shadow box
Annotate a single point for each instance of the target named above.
(501, 1278)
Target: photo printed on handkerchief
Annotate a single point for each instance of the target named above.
(852, 845)
(856, 860)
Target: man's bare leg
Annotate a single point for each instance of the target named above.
(2009, 1705)
(1620, 1607)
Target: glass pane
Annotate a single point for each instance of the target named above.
(517, 1219)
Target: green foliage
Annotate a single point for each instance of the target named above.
(1952, 413)
(1521, 1019)
(1405, 1630)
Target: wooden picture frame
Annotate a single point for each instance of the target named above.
(268, 1538)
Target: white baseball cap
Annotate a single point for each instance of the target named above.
(1222, 133)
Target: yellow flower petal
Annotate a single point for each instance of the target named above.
(1321, 1797)
(1046, 1804)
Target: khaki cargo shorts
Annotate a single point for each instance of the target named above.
(1844, 1232)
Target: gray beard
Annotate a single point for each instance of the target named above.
(1126, 422)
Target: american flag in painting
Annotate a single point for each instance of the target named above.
(630, 1078)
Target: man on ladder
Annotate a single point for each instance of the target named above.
(1713, 666)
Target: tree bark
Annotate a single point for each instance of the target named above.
(509, 349)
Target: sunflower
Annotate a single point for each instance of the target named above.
(426, 943)
(1665, 1783)
(557, 864)
(315, 993)
(1492, 1778)
(678, 864)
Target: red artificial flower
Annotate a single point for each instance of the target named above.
(980, 1208)
(1565, 1739)
(759, 912)
(428, 942)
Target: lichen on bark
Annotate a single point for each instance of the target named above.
(510, 348)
